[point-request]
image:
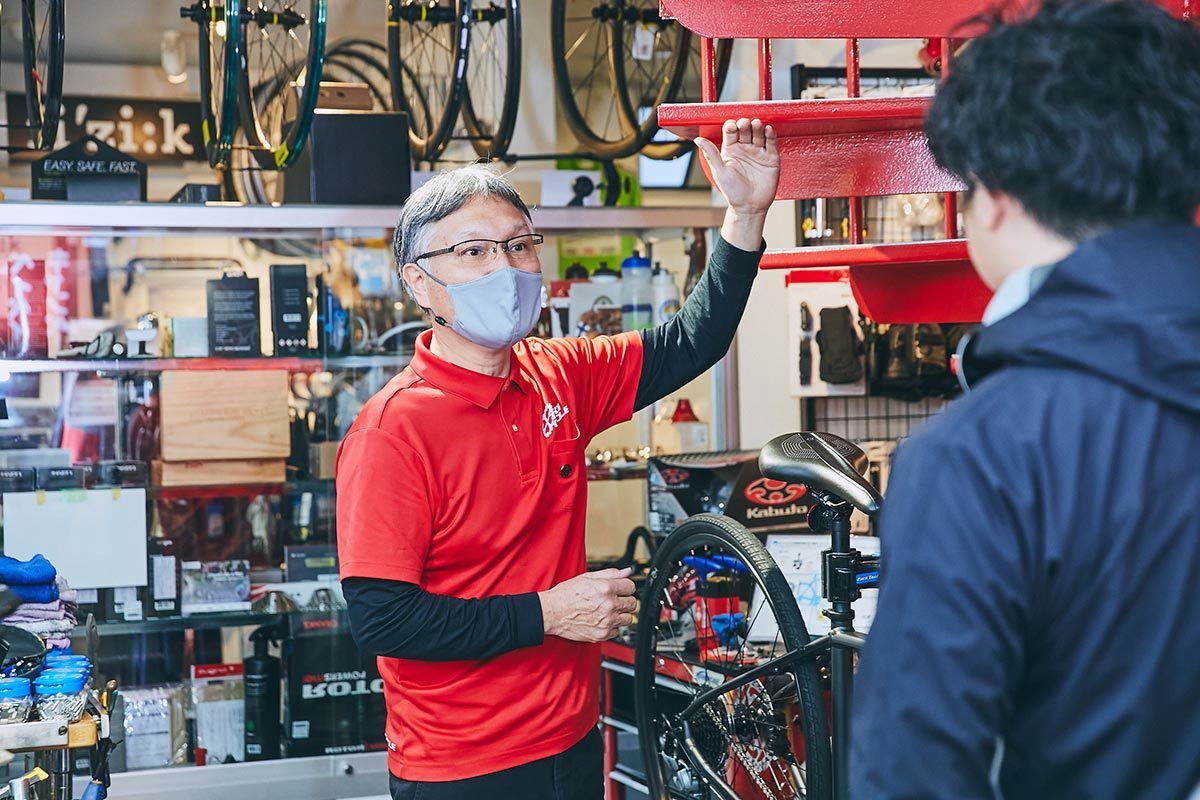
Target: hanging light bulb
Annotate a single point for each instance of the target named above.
(174, 56)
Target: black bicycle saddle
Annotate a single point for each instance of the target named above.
(824, 462)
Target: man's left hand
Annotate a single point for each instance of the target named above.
(746, 168)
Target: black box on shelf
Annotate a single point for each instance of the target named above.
(88, 169)
(18, 480)
(233, 317)
(128, 474)
(162, 598)
(124, 604)
(289, 309)
(334, 698)
(49, 478)
(310, 562)
(352, 158)
(726, 483)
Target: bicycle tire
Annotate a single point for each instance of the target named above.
(219, 100)
(43, 87)
(667, 86)
(492, 141)
(444, 105)
(277, 147)
(708, 530)
(669, 151)
(592, 143)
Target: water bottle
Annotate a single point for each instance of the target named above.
(637, 309)
(665, 294)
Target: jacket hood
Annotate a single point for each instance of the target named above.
(1124, 305)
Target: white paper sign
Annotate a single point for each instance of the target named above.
(799, 558)
(95, 538)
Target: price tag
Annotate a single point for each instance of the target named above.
(643, 43)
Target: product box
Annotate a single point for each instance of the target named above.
(123, 603)
(310, 562)
(212, 586)
(726, 483)
(233, 328)
(162, 596)
(334, 697)
(227, 415)
(289, 309)
(217, 696)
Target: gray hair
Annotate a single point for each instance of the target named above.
(440, 197)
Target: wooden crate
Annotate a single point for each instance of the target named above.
(218, 473)
(224, 415)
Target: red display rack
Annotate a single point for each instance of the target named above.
(854, 147)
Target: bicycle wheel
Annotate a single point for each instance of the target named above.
(431, 39)
(664, 146)
(220, 65)
(493, 86)
(288, 48)
(612, 58)
(767, 737)
(43, 35)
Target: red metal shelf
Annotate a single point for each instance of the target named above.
(905, 283)
(842, 19)
(832, 148)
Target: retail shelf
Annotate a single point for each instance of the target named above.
(195, 622)
(904, 283)
(126, 365)
(844, 19)
(250, 220)
(832, 148)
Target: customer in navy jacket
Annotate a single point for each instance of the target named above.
(1038, 631)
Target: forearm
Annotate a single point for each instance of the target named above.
(400, 620)
(677, 352)
(743, 229)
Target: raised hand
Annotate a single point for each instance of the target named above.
(746, 168)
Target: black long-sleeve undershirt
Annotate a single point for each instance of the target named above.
(401, 620)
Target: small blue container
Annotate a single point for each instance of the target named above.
(15, 701)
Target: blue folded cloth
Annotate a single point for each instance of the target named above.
(41, 593)
(37, 571)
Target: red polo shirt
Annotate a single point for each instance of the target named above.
(473, 486)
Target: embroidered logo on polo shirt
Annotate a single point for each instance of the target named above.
(551, 416)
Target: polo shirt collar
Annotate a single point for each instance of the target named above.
(474, 387)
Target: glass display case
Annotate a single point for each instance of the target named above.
(176, 380)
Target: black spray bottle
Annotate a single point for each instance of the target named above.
(263, 672)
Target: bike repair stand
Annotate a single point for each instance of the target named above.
(843, 571)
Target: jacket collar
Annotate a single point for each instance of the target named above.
(474, 387)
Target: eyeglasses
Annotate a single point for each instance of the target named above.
(521, 250)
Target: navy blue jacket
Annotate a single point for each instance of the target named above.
(1041, 551)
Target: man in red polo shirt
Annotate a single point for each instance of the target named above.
(462, 490)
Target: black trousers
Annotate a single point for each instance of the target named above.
(577, 774)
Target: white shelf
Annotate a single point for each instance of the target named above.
(235, 218)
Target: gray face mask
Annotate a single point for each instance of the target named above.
(497, 310)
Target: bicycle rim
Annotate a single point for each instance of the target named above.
(427, 63)
(43, 36)
(493, 85)
(766, 739)
(287, 48)
(648, 66)
(220, 66)
(584, 36)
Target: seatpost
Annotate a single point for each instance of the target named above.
(839, 586)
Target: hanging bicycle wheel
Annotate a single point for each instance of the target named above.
(43, 36)
(430, 38)
(493, 87)
(665, 146)
(715, 607)
(613, 58)
(220, 65)
(286, 47)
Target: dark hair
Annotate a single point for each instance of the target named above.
(1087, 112)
